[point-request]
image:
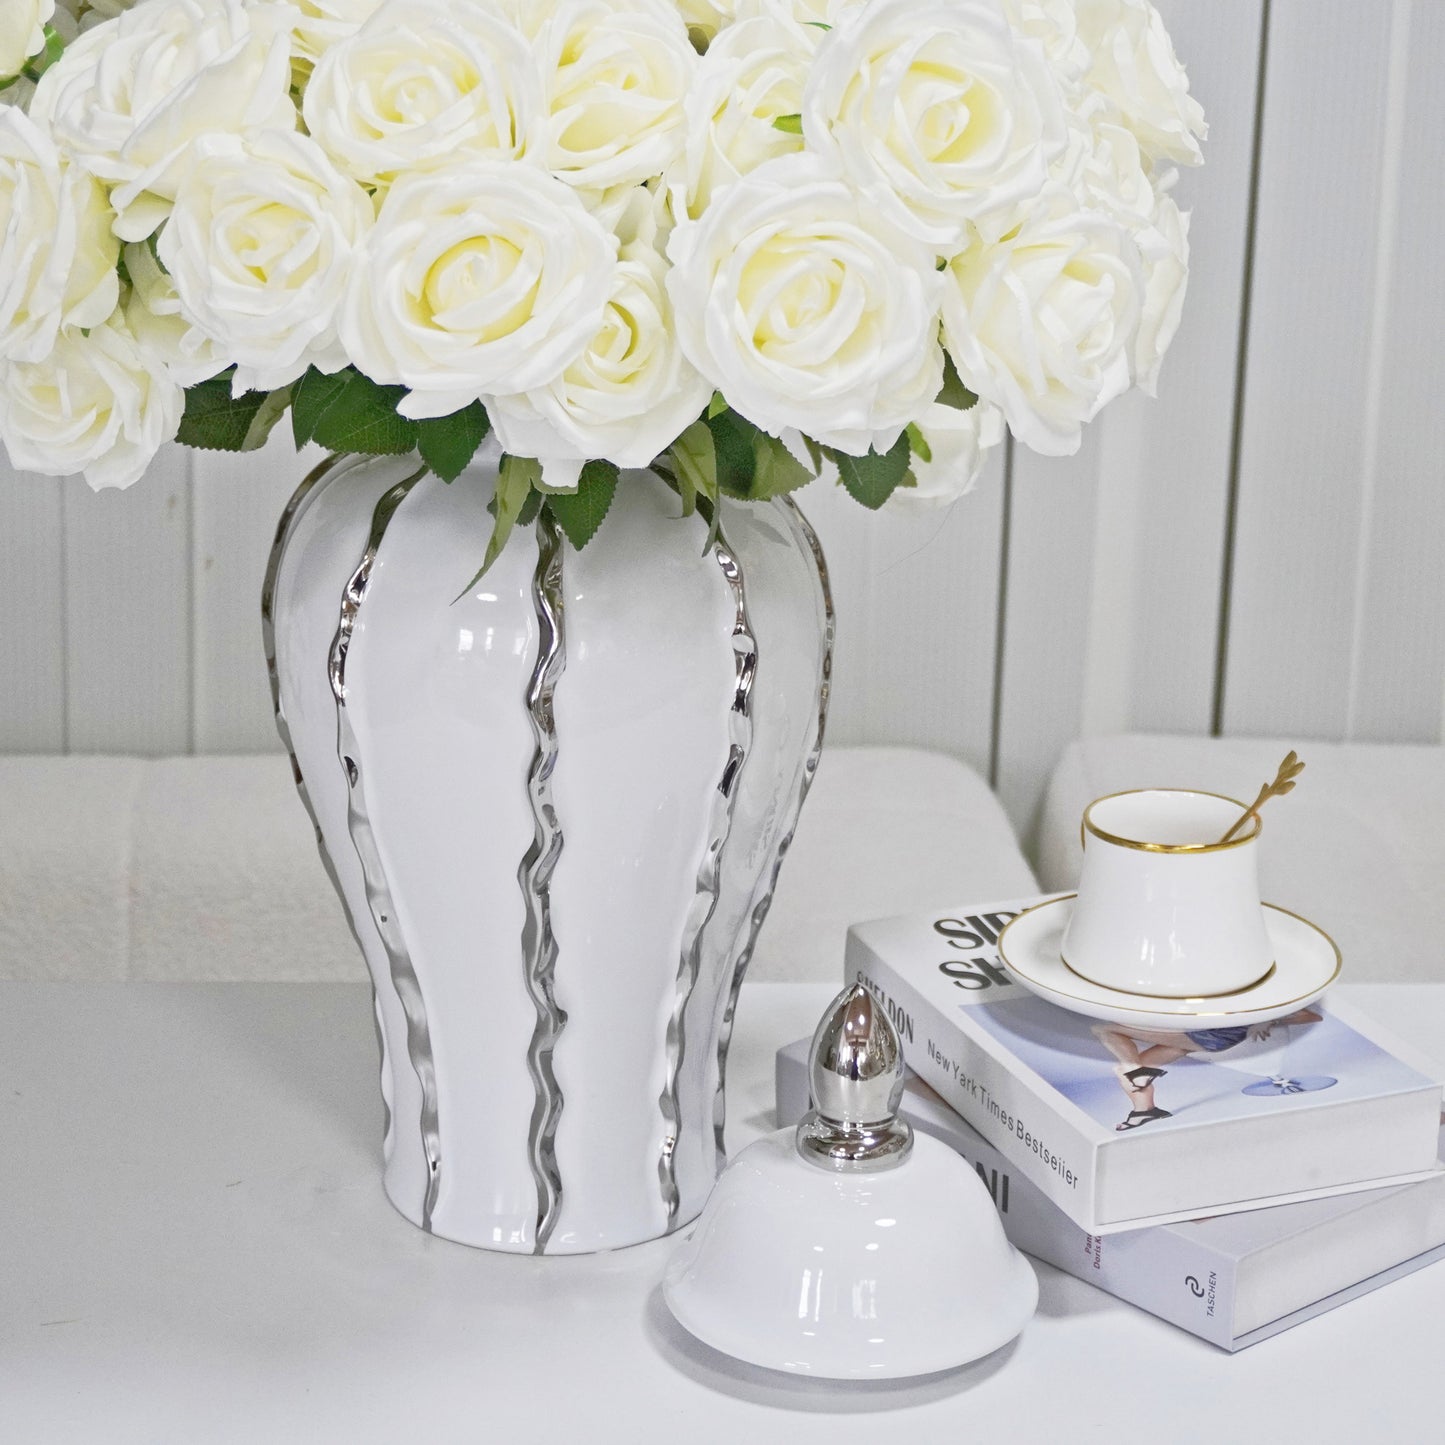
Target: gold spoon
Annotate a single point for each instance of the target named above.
(1284, 781)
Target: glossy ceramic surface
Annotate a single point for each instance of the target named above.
(1307, 962)
(554, 802)
(1164, 909)
(850, 1276)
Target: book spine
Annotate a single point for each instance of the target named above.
(1052, 1153)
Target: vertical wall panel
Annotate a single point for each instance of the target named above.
(1399, 662)
(1165, 461)
(128, 608)
(1047, 621)
(238, 499)
(1302, 501)
(917, 594)
(32, 614)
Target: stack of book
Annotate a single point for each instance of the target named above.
(1296, 1164)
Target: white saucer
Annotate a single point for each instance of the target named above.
(1306, 962)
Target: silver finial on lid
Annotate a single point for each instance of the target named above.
(855, 1072)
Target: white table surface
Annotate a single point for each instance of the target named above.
(195, 1247)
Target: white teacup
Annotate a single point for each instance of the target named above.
(1164, 908)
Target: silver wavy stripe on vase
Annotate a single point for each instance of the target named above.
(804, 533)
(539, 945)
(291, 517)
(709, 874)
(378, 891)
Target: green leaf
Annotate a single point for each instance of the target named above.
(872, 479)
(788, 124)
(448, 443)
(695, 463)
(778, 470)
(511, 501)
(215, 421)
(919, 443)
(271, 410)
(719, 403)
(815, 454)
(310, 397)
(954, 393)
(732, 438)
(348, 412)
(580, 513)
(530, 509)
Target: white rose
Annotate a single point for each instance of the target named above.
(98, 404)
(260, 248)
(129, 96)
(956, 443)
(1055, 25)
(1164, 247)
(807, 309)
(89, 13)
(319, 24)
(625, 398)
(615, 73)
(938, 110)
(423, 85)
(707, 17)
(1113, 177)
(22, 32)
(1134, 65)
(153, 317)
(752, 74)
(800, 12)
(57, 254)
(1042, 321)
(485, 278)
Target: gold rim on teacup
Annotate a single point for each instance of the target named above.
(1143, 847)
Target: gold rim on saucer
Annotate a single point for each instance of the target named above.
(1173, 1012)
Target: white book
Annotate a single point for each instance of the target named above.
(1296, 1110)
(1232, 1280)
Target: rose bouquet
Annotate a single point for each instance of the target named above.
(738, 241)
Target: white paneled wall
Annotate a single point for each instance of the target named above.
(1256, 551)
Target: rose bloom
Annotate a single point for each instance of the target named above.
(938, 110)
(630, 392)
(22, 32)
(260, 247)
(319, 24)
(98, 404)
(615, 76)
(1042, 321)
(707, 17)
(128, 97)
(957, 443)
(1134, 65)
(423, 85)
(153, 317)
(752, 74)
(1164, 248)
(488, 277)
(807, 309)
(57, 254)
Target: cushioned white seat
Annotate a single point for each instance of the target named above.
(1358, 847)
(206, 868)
